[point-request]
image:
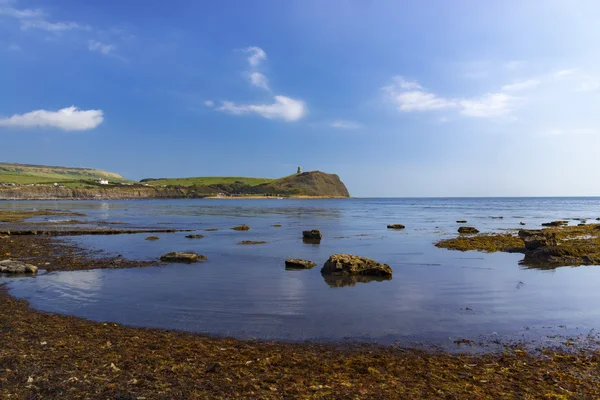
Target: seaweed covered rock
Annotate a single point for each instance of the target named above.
(313, 234)
(247, 242)
(396, 226)
(468, 230)
(152, 238)
(182, 257)
(348, 264)
(296, 263)
(17, 267)
(194, 236)
(241, 228)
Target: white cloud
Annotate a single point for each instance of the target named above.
(105, 49)
(345, 124)
(68, 119)
(209, 103)
(55, 27)
(409, 96)
(9, 11)
(14, 47)
(257, 55)
(259, 80)
(517, 86)
(284, 108)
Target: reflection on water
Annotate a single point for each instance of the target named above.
(336, 281)
(245, 291)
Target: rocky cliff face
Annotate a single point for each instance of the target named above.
(73, 193)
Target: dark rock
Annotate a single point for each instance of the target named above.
(522, 223)
(152, 238)
(295, 263)
(277, 225)
(314, 234)
(536, 238)
(396, 226)
(469, 230)
(251, 242)
(182, 257)
(194, 236)
(556, 223)
(461, 221)
(211, 229)
(17, 267)
(348, 264)
(241, 228)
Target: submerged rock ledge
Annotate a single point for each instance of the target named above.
(551, 247)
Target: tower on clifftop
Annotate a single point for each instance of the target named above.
(299, 170)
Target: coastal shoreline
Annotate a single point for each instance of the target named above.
(49, 355)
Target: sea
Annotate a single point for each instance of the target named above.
(436, 297)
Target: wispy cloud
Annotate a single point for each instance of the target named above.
(257, 55)
(345, 124)
(209, 103)
(103, 48)
(284, 108)
(14, 47)
(518, 86)
(259, 80)
(8, 10)
(68, 119)
(489, 105)
(410, 96)
(54, 27)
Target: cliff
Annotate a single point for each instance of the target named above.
(313, 183)
(97, 193)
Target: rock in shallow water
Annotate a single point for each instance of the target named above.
(396, 226)
(469, 230)
(182, 257)
(152, 238)
(17, 267)
(313, 234)
(194, 236)
(241, 228)
(348, 264)
(296, 263)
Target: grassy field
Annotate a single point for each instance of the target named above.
(25, 173)
(208, 180)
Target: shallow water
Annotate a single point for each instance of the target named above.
(435, 296)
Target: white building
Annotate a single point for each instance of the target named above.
(103, 181)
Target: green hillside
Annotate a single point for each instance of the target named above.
(26, 174)
(206, 181)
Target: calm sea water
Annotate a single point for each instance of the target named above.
(435, 296)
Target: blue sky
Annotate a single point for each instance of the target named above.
(400, 98)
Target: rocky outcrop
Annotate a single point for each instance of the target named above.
(348, 264)
(241, 228)
(555, 223)
(396, 226)
(296, 263)
(194, 236)
(182, 257)
(468, 230)
(152, 238)
(313, 183)
(17, 267)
